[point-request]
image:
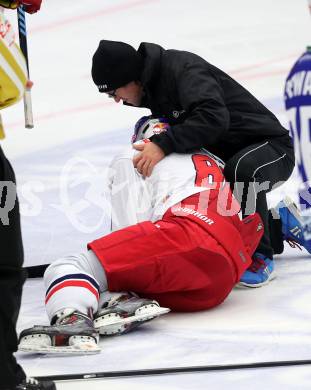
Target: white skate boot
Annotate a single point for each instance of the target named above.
(71, 332)
(124, 312)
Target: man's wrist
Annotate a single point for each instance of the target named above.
(163, 142)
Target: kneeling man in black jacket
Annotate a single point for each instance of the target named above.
(205, 108)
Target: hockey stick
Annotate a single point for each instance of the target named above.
(36, 271)
(23, 45)
(173, 370)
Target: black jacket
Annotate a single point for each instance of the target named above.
(205, 106)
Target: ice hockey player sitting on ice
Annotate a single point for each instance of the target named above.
(178, 244)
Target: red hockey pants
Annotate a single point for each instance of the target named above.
(182, 262)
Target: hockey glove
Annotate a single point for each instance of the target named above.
(31, 6)
(9, 4)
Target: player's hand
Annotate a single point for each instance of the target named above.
(150, 154)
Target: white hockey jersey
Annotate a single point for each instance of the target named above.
(135, 199)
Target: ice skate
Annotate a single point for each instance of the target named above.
(125, 312)
(33, 384)
(293, 229)
(71, 333)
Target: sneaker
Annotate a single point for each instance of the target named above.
(33, 384)
(292, 224)
(123, 312)
(260, 272)
(70, 332)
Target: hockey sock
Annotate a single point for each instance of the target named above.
(74, 281)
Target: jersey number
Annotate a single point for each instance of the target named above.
(208, 172)
(302, 138)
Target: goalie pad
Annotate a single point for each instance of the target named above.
(13, 70)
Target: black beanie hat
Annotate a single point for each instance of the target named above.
(115, 64)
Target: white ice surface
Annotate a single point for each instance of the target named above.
(266, 324)
(276, 379)
(60, 167)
